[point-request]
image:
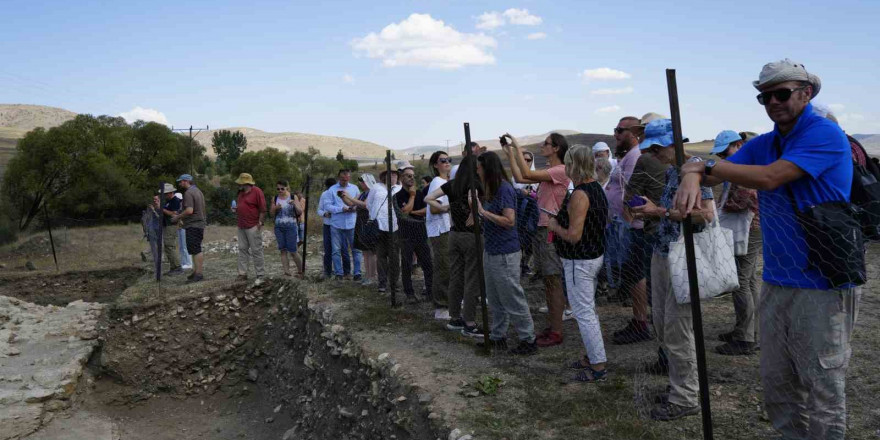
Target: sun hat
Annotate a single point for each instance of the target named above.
(368, 179)
(658, 132)
(786, 70)
(404, 164)
(650, 117)
(168, 188)
(600, 146)
(724, 139)
(245, 179)
(185, 177)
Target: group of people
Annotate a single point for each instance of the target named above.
(183, 217)
(608, 217)
(595, 218)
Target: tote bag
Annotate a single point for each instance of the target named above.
(738, 222)
(716, 266)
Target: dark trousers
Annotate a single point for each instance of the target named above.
(387, 256)
(423, 253)
(328, 251)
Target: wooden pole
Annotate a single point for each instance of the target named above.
(478, 241)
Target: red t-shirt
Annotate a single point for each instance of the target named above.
(250, 205)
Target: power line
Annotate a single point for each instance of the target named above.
(192, 170)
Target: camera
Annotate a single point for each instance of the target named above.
(503, 140)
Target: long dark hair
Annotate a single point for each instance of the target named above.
(465, 177)
(559, 141)
(433, 161)
(493, 173)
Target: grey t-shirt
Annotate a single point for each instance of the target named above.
(193, 198)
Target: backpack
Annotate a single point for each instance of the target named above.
(865, 194)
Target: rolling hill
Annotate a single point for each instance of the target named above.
(292, 142)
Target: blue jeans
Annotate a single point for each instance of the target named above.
(185, 258)
(343, 241)
(328, 252)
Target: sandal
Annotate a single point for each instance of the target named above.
(589, 375)
(579, 364)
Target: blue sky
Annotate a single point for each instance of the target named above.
(328, 68)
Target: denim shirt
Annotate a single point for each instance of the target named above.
(669, 230)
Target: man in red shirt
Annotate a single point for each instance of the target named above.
(251, 212)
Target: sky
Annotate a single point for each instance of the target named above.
(407, 73)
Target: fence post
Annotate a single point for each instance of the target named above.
(688, 231)
(389, 201)
(51, 240)
(161, 238)
(306, 225)
(478, 243)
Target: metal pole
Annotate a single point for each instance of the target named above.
(161, 238)
(390, 255)
(306, 225)
(478, 235)
(688, 231)
(51, 240)
(192, 169)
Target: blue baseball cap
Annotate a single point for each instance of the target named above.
(724, 139)
(658, 132)
(185, 177)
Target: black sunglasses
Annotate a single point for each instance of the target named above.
(444, 160)
(619, 130)
(781, 95)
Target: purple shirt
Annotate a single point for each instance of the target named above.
(620, 175)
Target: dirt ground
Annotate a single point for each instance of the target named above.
(536, 400)
(101, 286)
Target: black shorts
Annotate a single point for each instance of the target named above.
(194, 238)
(638, 260)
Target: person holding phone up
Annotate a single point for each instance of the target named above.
(552, 188)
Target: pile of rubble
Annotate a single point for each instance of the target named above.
(43, 350)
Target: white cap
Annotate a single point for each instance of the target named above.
(600, 146)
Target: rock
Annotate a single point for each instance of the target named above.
(345, 413)
(466, 437)
(30, 265)
(253, 375)
(2, 265)
(425, 398)
(277, 409)
(288, 435)
(455, 434)
(270, 419)
(382, 357)
(433, 416)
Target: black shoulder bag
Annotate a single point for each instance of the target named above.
(835, 243)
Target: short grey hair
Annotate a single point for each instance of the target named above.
(603, 169)
(579, 163)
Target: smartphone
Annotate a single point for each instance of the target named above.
(340, 193)
(548, 212)
(503, 140)
(635, 201)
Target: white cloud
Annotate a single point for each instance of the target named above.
(622, 91)
(494, 19)
(420, 40)
(490, 20)
(609, 109)
(537, 36)
(144, 114)
(605, 73)
(522, 17)
(836, 107)
(851, 117)
(348, 79)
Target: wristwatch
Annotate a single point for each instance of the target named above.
(709, 165)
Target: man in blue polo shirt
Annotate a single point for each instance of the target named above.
(342, 222)
(806, 325)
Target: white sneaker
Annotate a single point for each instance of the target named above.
(442, 314)
(258, 282)
(567, 314)
(186, 267)
(543, 309)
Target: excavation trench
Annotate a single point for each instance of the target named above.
(242, 362)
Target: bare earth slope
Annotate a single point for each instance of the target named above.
(291, 142)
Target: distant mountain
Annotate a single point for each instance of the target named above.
(18, 119)
(291, 142)
(871, 142)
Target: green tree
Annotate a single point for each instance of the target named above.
(267, 167)
(228, 146)
(339, 156)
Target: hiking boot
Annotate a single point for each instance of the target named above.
(634, 332)
(195, 279)
(241, 278)
(338, 278)
(726, 337)
(191, 275)
(525, 348)
(657, 368)
(357, 278)
(455, 325)
(589, 375)
(495, 345)
(472, 331)
(736, 348)
(549, 340)
(670, 411)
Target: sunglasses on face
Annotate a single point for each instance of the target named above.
(409, 175)
(549, 144)
(281, 188)
(444, 160)
(620, 130)
(528, 160)
(781, 95)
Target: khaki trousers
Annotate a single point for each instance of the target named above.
(250, 245)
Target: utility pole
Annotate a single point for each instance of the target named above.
(192, 169)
